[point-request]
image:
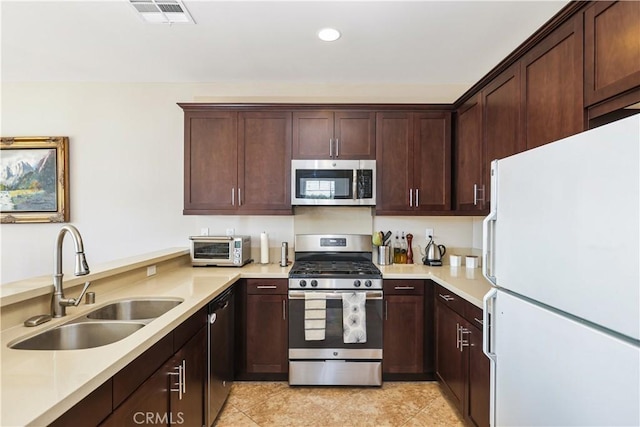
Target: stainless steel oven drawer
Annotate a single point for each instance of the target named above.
(335, 372)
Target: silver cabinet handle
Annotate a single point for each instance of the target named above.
(457, 335)
(284, 309)
(233, 196)
(330, 147)
(184, 376)
(239, 197)
(478, 320)
(266, 287)
(179, 383)
(446, 297)
(212, 318)
(337, 147)
(411, 197)
(404, 288)
(476, 199)
(463, 342)
(417, 197)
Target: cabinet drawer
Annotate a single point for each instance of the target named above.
(267, 286)
(450, 299)
(183, 332)
(473, 314)
(403, 287)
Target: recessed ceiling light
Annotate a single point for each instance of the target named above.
(329, 34)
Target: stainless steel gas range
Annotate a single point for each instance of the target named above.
(335, 312)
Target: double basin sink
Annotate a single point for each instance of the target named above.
(102, 326)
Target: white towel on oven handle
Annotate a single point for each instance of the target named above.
(315, 315)
(354, 318)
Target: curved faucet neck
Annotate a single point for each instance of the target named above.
(77, 241)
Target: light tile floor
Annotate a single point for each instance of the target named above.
(267, 404)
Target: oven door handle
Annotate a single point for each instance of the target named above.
(334, 295)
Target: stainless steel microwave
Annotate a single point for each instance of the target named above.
(231, 251)
(333, 182)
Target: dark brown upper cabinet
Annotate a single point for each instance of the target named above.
(322, 134)
(469, 157)
(237, 162)
(552, 77)
(612, 49)
(413, 162)
(502, 121)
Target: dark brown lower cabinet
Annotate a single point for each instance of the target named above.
(477, 407)
(461, 366)
(146, 392)
(174, 394)
(263, 328)
(403, 333)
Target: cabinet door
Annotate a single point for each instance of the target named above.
(394, 131)
(432, 161)
(450, 361)
(552, 73)
(502, 120)
(403, 334)
(266, 334)
(264, 145)
(477, 406)
(210, 161)
(469, 159)
(612, 49)
(312, 134)
(354, 134)
(188, 407)
(149, 404)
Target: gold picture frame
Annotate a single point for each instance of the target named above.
(34, 179)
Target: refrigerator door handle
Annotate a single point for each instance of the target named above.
(487, 348)
(488, 251)
(487, 313)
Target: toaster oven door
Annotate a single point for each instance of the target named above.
(214, 252)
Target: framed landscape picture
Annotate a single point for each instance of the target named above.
(34, 179)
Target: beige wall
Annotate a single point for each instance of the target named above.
(126, 158)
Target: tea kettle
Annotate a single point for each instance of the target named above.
(433, 253)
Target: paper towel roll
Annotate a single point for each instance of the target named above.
(264, 248)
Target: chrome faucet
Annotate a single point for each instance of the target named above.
(59, 303)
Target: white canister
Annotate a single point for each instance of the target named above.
(455, 260)
(472, 261)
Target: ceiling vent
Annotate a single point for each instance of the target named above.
(163, 11)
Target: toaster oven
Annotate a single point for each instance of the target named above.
(229, 251)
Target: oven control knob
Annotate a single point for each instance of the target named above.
(356, 283)
(314, 283)
(367, 283)
(303, 283)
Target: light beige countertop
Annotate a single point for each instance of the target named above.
(38, 386)
(468, 283)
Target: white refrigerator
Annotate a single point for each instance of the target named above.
(561, 246)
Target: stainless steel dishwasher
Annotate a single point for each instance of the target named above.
(220, 356)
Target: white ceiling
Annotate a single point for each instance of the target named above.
(383, 42)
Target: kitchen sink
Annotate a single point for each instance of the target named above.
(134, 309)
(102, 326)
(76, 336)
